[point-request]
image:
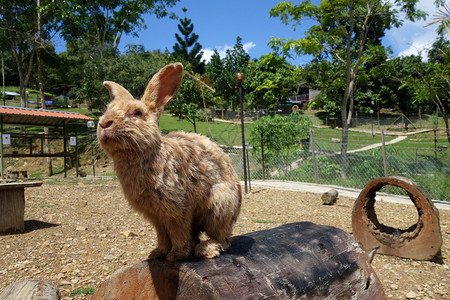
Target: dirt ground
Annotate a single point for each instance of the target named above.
(80, 232)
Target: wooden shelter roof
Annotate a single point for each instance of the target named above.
(38, 117)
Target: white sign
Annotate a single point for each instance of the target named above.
(73, 141)
(6, 139)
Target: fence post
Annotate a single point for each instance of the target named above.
(383, 147)
(262, 158)
(247, 148)
(311, 133)
(435, 144)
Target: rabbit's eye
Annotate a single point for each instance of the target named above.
(138, 113)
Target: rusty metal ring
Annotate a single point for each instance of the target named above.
(421, 241)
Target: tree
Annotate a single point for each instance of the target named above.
(344, 31)
(271, 78)
(430, 82)
(277, 136)
(222, 72)
(187, 48)
(192, 99)
(136, 61)
(103, 23)
(18, 22)
(442, 17)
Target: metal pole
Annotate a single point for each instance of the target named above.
(371, 120)
(243, 137)
(92, 155)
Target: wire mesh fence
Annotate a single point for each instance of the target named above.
(320, 161)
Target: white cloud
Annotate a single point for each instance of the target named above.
(208, 52)
(248, 46)
(417, 48)
(222, 50)
(413, 38)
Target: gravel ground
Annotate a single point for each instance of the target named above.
(80, 232)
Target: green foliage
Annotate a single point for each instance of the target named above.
(83, 291)
(271, 78)
(279, 136)
(102, 23)
(327, 169)
(133, 71)
(222, 71)
(187, 48)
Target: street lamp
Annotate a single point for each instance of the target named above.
(91, 124)
(239, 77)
(371, 119)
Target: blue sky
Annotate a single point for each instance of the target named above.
(218, 23)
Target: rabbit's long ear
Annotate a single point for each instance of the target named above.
(116, 91)
(162, 87)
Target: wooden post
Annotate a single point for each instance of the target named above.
(1, 147)
(383, 147)
(316, 177)
(65, 150)
(262, 158)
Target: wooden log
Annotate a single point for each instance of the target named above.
(293, 261)
(30, 289)
(330, 197)
(12, 206)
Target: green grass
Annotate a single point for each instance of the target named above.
(222, 133)
(356, 140)
(261, 221)
(83, 291)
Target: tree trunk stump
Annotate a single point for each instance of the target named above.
(330, 197)
(30, 289)
(293, 261)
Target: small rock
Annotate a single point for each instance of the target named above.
(411, 295)
(129, 233)
(394, 287)
(109, 257)
(81, 228)
(335, 140)
(64, 282)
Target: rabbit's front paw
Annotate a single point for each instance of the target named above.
(157, 253)
(177, 254)
(208, 249)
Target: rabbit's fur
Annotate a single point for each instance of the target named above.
(183, 183)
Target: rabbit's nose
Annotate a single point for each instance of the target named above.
(106, 124)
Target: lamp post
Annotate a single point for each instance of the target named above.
(239, 77)
(91, 124)
(371, 119)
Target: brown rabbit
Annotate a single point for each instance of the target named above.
(182, 183)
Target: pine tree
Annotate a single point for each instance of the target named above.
(187, 47)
